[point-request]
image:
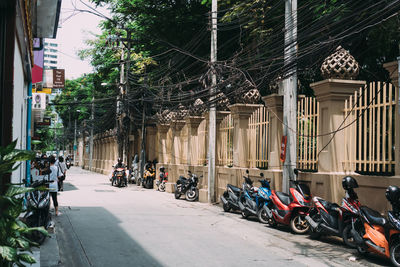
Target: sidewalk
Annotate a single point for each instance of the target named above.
(48, 255)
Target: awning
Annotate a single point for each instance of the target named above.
(45, 22)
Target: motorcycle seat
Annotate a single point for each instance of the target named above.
(328, 205)
(234, 188)
(285, 198)
(373, 216)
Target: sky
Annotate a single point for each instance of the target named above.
(71, 36)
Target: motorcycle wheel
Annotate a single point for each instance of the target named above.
(395, 253)
(162, 187)
(245, 215)
(112, 182)
(348, 237)
(362, 251)
(299, 224)
(177, 195)
(263, 216)
(192, 194)
(226, 207)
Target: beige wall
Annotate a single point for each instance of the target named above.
(180, 142)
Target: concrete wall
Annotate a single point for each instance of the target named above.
(19, 111)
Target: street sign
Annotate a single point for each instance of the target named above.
(58, 78)
(74, 147)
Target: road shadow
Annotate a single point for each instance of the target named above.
(92, 236)
(69, 187)
(329, 247)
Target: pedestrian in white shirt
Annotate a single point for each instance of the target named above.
(62, 172)
(53, 186)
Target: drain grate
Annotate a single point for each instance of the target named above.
(99, 190)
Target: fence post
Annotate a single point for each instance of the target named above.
(176, 127)
(151, 135)
(331, 95)
(392, 68)
(162, 130)
(192, 123)
(274, 104)
(240, 115)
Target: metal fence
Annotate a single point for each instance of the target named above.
(370, 130)
(258, 137)
(307, 127)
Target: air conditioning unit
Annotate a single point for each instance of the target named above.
(39, 101)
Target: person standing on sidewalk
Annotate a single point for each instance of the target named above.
(62, 172)
(53, 186)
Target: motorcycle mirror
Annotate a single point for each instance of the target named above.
(247, 171)
(262, 174)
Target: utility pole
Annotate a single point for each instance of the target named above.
(75, 146)
(91, 137)
(126, 106)
(213, 112)
(120, 138)
(143, 146)
(290, 92)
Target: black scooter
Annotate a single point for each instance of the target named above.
(230, 198)
(38, 206)
(188, 187)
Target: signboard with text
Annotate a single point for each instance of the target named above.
(58, 78)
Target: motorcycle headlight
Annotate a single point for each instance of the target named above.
(349, 206)
(299, 197)
(263, 194)
(394, 221)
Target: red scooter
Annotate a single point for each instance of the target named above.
(328, 218)
(291, 209)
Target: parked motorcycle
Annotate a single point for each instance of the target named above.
(290, 209)
(68, 164)
(231, 196)
(119, 177)
(38, 214)
(133, 175)
(187, 187)
(161, 183)
(148, 177)
(327, 218)
(253, 200)
(374, 233)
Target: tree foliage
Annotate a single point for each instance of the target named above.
(14, 241)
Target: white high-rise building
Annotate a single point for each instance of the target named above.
(50, 54)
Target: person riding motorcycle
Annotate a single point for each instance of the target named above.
(119, 164)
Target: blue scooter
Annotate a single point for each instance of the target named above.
(252, 201)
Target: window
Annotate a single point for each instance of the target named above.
(53, 50)
(54, 45)
(53, 62)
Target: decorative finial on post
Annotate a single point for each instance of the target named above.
(340, 65)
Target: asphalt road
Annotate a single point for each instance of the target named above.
(102, 225)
